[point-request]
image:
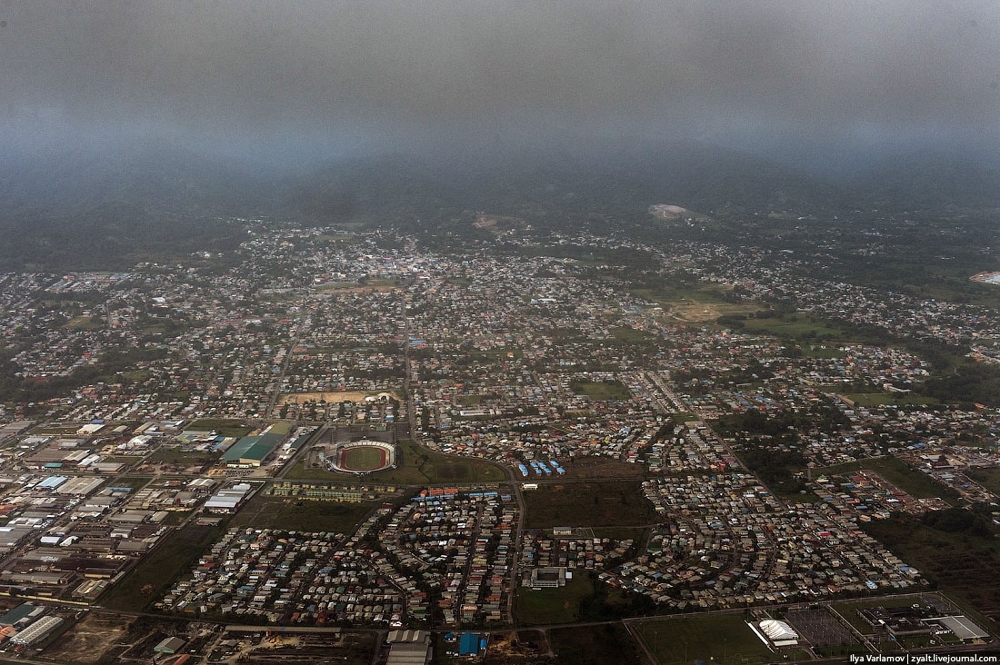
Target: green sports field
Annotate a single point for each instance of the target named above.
(363, 458)
(720, 638)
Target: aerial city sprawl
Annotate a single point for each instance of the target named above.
(510, 333)
(351, 442)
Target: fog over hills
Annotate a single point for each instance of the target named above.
(929, 180)
(160, 178)
(613, 181)
(154, 176)
(108, 208)
(118, 205)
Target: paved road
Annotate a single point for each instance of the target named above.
(293, 460)
(650, 657)
(514, 576)
(284, 369)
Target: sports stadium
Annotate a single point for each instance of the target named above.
(363, 456)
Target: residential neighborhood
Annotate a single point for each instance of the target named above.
(359, 433)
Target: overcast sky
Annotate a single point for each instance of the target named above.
(330, 75)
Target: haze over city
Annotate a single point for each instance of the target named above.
(317, 80)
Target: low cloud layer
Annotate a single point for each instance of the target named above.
(379, 72)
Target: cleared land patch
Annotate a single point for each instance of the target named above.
(562, 605)
(90, 638)
(274, 512)
(988, 478)
(695, 304)
(601, 467)
(607, 644)
(792, 326)
(614, 503)
(330, 397)
(600, 391)
(523, 646)
(233, 428)
(696, 312)
(722, 638)
(958, 564)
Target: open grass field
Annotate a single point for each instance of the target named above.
(279, 512)
(150, 578)
(721, 638)
(337, 286)
(85, 323)
(915, 483)
(177, 517)
(364, 458)
(538, 606)
(794, 326)
(878, 399)
(962, 566)
(628, 335)
(988, 478)
(601, 467)
(601, 391)
(380, 285)
(612, 503)
(280, 427)
(702, 312)
(221, 426)
(668, 293)
(135, 482)
(695, 304)
(607, 644)
(175, 454)
(417, 465)
(420, 465)
(823, 351)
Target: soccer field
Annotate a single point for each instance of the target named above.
(363, 458)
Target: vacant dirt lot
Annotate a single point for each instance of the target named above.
(335, 396)
(87, 641)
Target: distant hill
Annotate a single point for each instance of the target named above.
(928, 180)
(558, 187)
(158, 177)
(87, 209)
(110, 208)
